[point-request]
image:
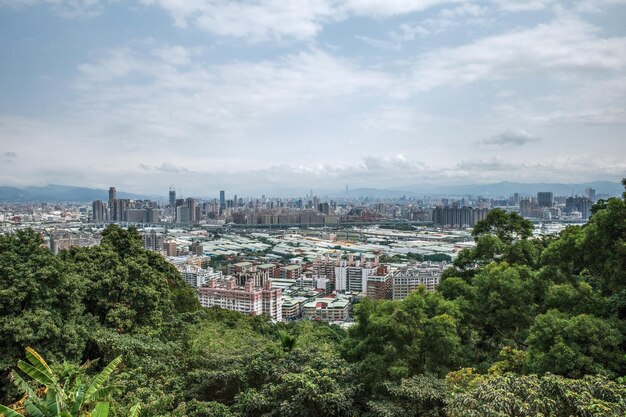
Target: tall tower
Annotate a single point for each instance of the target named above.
(112, 194)
(112, 204)
(172, 196)
(222, 199)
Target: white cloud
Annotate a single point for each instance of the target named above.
(390, 7)
(201, 101)
(563, 46)
(523, 5)
(262, 20)
(70, 9)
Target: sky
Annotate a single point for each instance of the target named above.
(265, 95)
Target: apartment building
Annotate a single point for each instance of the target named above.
(248, 299)
(408, 279)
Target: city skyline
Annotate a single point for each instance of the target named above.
(268, 96)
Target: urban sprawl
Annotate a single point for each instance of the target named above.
(306, 258)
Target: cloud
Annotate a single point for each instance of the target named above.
(388, 8)
(564, 47)
(216, 101)
(523, 5)
(255, 21)
(510, 138)
(70, 9)
(266, 20)
(10, 155)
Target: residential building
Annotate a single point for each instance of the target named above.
(408, 279)
(379, 283)
(98, 211)
(327, 309)
(247, 299)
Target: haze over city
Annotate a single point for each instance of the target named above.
(265, 95)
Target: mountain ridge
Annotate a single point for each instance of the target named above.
(56, 193)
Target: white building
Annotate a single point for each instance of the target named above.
(195, 276)
(351, 276)
(408, 279)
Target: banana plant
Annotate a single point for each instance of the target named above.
(69, 398)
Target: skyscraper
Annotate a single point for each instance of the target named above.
(97, 211)
(545, 199)
(222, 200)
(191, 205)
(172, 197)
(112, 203)
(579, 204)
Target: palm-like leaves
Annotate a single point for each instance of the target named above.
(68, 399)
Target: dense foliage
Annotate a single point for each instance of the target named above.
(520, 326)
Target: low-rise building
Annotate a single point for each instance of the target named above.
(292, 307)
(290, 271)
(327, 309)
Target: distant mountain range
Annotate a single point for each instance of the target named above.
(55, 193)
(495, 190)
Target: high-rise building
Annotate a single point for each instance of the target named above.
(579, 204)
(191, 205)
(118, 210)
(98, 212)
(379, 283)
(112, 201)
(222, 200)
(172, 197)
(591, 194)
(153, 241)
(458, 216)
(545, 199)
(170, 248)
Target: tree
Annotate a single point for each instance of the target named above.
(393, 340)
(40, 303)
(420, 395)
(62, 397)
(128, 287)
(502, 305)
(594, 253)
(531, 396)
(575, 346)
(506, 226)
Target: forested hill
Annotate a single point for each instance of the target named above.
(519, 326)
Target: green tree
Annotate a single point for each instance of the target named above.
(531, 396)
(40, 303)
(506, 226)
(575, 346)
(502, 305)
(129, 288)
(398, 339)
(420, 395)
